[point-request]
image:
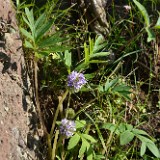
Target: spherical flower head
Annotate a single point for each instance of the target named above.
(67, 128)
(76, 81)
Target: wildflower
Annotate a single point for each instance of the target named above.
(127, 7)
(67, 127)
(76, 80)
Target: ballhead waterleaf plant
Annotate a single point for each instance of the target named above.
(76, 81)
(67, 128)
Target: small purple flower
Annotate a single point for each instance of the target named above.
(67, 127)
(76, 81)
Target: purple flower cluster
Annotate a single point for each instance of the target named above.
(67, 127)
(76, 81)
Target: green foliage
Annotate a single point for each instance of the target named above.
(127, 134)
(151, 35)
(109, 105)
(39, 39)
(86, 141)
(115, 87)
(93, 53)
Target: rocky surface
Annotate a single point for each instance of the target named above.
(16, 108)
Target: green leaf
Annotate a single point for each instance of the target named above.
(129, 127)
(157, 26)
(91, 45)
(143, 149)
(90, 153)
(86, 53)
(100, 88)
(98, 61)
(110, 84)
(123, 90)
(83, 148)
(88, 137)
(99, 44)
(143, 12)
(138, 131)
(56, 48)
(27, 22)
(100, 54)
(27, 34)
(126, 137)
(82, 66)
(99, 40)
(28, 44)
(110, 126)
(122, 127)
(80, 124)
(51, 41)
(98, 131)
(68, 59)
(73, 141)
(43, 29)
(40, 21)
(151, 35)
(150, 145)
(153, 148)
(30, 17)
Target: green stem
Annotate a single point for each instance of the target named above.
(57, 112)
(55, 145)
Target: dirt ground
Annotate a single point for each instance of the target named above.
(18, 140)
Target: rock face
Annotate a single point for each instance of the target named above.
(15, 101)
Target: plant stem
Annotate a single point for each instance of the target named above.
(55, 145)
(57, 111)
(42, 124)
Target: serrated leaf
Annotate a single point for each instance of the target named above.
(73, 141)
(89, 138)
(126, 137)
(153, 148)
(143, 149)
